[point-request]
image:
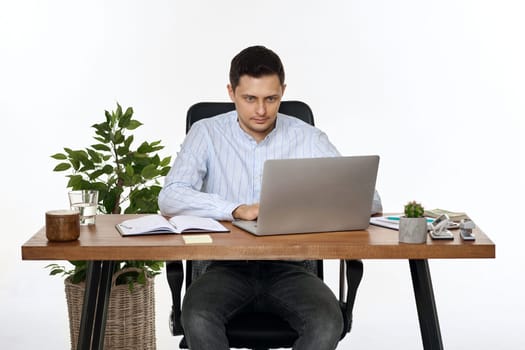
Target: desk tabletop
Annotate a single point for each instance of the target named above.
(103, 242)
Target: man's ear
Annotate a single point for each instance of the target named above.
(231, 92)
(283, 87)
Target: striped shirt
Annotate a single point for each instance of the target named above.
(219, 166)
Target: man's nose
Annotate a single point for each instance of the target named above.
(261, 108)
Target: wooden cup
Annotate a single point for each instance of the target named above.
(62, 225)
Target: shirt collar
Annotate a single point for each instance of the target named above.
(240, 131)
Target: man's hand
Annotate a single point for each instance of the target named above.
(246, 212)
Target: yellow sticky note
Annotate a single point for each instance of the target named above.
(196, 239)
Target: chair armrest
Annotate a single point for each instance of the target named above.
(354, 274)
(175, 276)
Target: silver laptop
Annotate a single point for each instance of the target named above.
(315, 195)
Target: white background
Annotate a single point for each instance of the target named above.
(436, 88)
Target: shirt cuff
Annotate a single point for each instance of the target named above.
(228, 211)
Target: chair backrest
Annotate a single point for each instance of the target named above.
(202, 110)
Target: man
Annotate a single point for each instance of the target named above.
(218, 174)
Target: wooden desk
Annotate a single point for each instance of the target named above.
(101, 245)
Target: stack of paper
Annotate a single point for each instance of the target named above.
(454, 216)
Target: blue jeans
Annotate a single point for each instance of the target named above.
(285, 288)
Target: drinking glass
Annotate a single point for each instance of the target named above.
(85, 202)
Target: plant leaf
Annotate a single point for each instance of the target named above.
(59, 156)
(119, 137)
(96, 174)
(100, 139)
(62, 167)
(144, 148)
(133, 124)
(129, 112)
(128, 141)
(150, 171)
(118, 112)
(165, 162)
(108, 169)
(75, 163)
(74, 181)
(124, 121)
(122, 151)
(101, 147)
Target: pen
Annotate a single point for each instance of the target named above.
(396, 218)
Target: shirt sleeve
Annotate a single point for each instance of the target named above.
(377, 207)
(181, 194)
(322, 147)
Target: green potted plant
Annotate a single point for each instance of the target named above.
(413, 226)
(127, 180)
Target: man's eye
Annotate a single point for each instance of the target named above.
(271, 99)
(249, 98)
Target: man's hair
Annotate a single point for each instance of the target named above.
(255, 61)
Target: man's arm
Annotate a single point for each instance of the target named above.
(181, 194)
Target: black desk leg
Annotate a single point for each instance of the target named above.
(94, 309)
(426, 305)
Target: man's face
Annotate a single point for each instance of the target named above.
(257, 101)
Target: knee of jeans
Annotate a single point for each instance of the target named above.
(199, 319)
(327, 326)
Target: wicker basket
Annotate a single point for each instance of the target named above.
(130, 318)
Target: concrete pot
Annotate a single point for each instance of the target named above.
(413, 230)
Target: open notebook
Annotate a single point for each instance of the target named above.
(158, 224)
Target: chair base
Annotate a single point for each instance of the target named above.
(257, 331)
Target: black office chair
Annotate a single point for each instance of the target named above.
(258, 330)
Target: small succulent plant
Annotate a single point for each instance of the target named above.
(414, 210)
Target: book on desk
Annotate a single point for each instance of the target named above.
(392, 222)
(158, 224)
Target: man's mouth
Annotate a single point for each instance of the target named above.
(260, 120)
